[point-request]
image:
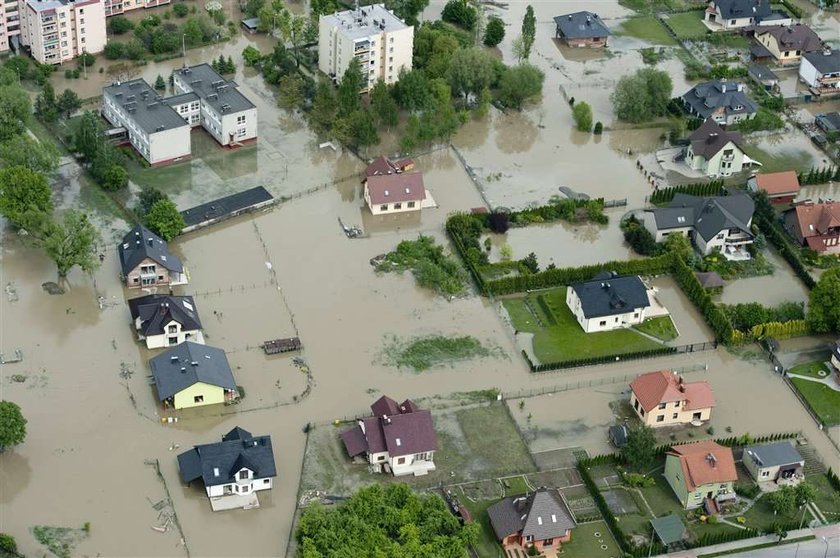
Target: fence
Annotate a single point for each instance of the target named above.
(291, 546)
(577, 363)
(615, 203)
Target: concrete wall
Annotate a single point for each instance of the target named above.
(9, 22)
(717, 244)
(253, 485)
(55, 36)
(808, 72)
(212, 395)
(239, 127)
(168, 145)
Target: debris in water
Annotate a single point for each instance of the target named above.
(52, 288)
(11, 292)
(19, 378)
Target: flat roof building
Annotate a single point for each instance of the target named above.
(9, 25)
(55, 31)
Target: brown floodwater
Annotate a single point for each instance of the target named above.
(770, 290)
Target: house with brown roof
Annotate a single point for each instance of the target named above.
(391, 188)
(715, 151)
(384, 165)
(701, 474)
(815, 225)
(397, 438)
(787, 43)
(540, 519)
(781, 187)
(664, 399)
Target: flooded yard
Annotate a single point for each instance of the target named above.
(770, 290)
(789, 150)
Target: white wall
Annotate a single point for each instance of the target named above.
(591, 325)
(169, 145)
(808, 72)
(232, 124)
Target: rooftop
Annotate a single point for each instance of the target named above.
(395, 188)
(762, 73)
(141, 243)
(705, 463)
(398, 429)
(156, 311)
(541, 515)
(145, 106)
(793, 37)
(214, 90)
(187, 364)
(778, 183)
(709, 279)
(608, 295)
(830, 121)
(736, 9)
(707, 97)
(218, 463)
(815, 219)
(825, 61)
(225, 206)
(665, 386)
(367, 21)
(714, 214)
(710, 138)
(384, 165)
(773, 455)
(581, 25)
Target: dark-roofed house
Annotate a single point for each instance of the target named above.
(815, 225)
(145, 261)
(781, 187)
(582, 29)
(540, 519)
(384, 165)
(714, 224)
(764, 76)
(721, 100)
(821, 71)
(192, 375)
(232, 470)
(225, 208)
(608, 302)
(716, 152)
(829, 122)
(397, 438)
(664, 399)
(165, 320)
(394, 193)
(725, 15)
(788, 43)
(777, 463)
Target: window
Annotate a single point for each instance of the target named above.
(381, 458)
(81, 11)
(173, 328)
(173, 340)
(266, 481)
(240, 133)
(397, 206)
(660, 418)
(765, 473)
(636, 404)
(602, 323)
(83, 39)
(383, 207)
(677, 404)
(240, 119)
(410, 205)
(391, 49)
(662, 405)
(674, 416)
(198, 399)
(243, 475)
(391, 40)
(642, 411)
(390, 59)
(400, 460)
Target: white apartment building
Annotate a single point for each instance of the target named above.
(9, 24)
(378, 39)
(222, 109)
(117, 7)
(154, 128)
(59, 30)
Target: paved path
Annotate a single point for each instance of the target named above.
(830, 380)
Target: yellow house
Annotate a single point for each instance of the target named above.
(664, 399)
(787, 44)
(192, 375)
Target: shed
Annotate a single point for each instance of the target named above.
(250, 25)
(618, 435)
(670, 529)
(710, 279)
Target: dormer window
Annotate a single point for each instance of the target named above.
(243, 474)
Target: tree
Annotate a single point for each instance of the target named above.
(470, 71)
(783, 501)
(582, 113)
(147, 199)
(640, 448)
(8, 545)
(823, 306)
(22, 192)
(180, 10)
(348, 90)
(85, 59)
(406, 523)
(680, 246)
(804, 492)
(22, 150)
(290, 92)
(412, 90)
(363, 129)
(461, 13)
(45, 104)
(164, 219)
(324, 107)
(642, 96)
(14, 111)
(494, 33)
(529, 30)
(193, 34)
(323, 7)
(12, 425)
(160, 83)
(499, 222)
(519, 50)
(251, 55)
(383, 105)
(115, 178)
(70, 242)
(407, 10)
(520, 83)
(119, 25)
(88, 135)
(68, 103)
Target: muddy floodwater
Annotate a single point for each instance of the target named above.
(770, 290)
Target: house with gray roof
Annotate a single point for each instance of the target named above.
(787, 43)
(729, 15)
(777, 463)
(396, 438)
(716, 152)
(764, 76)
(145, 261)
(608, 302)
(232, 470)
(540, 519)
(718, 224)
(192, 375)
(165, 320)
(723, 101)
(821, 71)
(581, 29)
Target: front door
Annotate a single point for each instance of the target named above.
(709, 495)
(695, 416)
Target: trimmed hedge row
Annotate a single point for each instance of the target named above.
(590, 361)
(700, 297)
(664, 195)
(777, 330)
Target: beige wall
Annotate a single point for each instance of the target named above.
(674, 413)
(58, 35)
(782, 56)
(160, 275)
(115, 7)
(9, 22)
(388, 208)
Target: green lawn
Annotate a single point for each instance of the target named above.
(688, 25)
(662, 328)
(515, 486)
(585, 544)
(489, 432)
(823, 400)
(564, 339)
(646, 28)
(827, 499)
(486, 545)
(800, 160)
(761, 515)
(811, 369)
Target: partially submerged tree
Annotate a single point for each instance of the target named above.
(582, 113)
(70, 242)
(640, 449)
(494, 33)
(23, 192)
(12, 426)
(164, 219)
(824, 303)
(22, 150)
(15, 110)
(642, 96)
(529, 31)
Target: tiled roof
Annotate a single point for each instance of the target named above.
(608, 296)
(737, 9)
(793, 37)
(384, 165)
(704, 463)
(218, 463)
(395, 188)
(398, 429)
(710, 138)
(664, 386)
(581, 25)
(156, 311)
(777, 183)
(713, 214)
(141, 243)
(825, 61)
(541, 515)
(707, 97)
(187, 364)
(814, 219)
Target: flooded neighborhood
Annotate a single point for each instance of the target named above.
(243, 304)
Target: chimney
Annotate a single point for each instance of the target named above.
(723, 87)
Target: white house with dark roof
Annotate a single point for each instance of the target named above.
(232, 470)
(714, 224)
(397, 438)
(777, 463)
(835, 357)
(193, 375)
(821, 71)
(728, 15)
(608, 302)
(721, 100)
(581, 29)
(540, 519)
(165, 320)
(145, 261)
(715, 151)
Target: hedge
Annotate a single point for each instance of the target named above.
(833, 480)
(700, 297)
(590, 361)
(765, 218)
(665, 195)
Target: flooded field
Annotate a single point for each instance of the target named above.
(770, 290)
(784, 151)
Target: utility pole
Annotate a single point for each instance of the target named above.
(84, 61)
(184, 45)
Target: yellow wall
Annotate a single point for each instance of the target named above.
(212, 394)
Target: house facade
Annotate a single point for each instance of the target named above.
(146, 262)
(701, 474)
(55, 31)
(723, 101)
(394, 193)
(608, 302)
(821, 71)
(786, 44)
(541, 520)
(781, 187)
(665, 399)
(581, 30)
(777, 463)
(117, 7)
(9, 24)
(397, 438)
(716, 152)
(165, 320)
(232, 470)
(381, 42)
(193, 375)
(815, 225)
(730, 15)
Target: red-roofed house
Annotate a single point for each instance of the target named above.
(781, 187)
(664, 399)
(384, 165)
(398, 438)
(815, 225)
(701, 473)
(394, 193)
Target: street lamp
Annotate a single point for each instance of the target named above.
(184, 45)
(825, 540)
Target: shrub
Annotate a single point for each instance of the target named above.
(461, 13)
(119, 25)
(494, 33)
(599, 128)
(114, 50)
(181, 10)
(115, 178)
(498, 222)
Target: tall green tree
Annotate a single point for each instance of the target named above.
(12, 425)
(783, 501)
(642, 96)
(290, 92)
(88, 135)
(46, 105)
(519, 84)
(407, 10)
(164, 219)
(147, 199)
(383, 105)
(70, 242)
(115, 178)
(352, 82)
(412, 91)
(470, 71)
(494, 33)
(824, 303)
(640, 448)
(582, 113)
(22, 193)
(22, 150)
(529, 30)
(68, 102)
(324, 107)
(15, 109)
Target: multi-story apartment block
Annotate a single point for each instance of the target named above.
(9, 24)
(374, 36)
(117, 7)
(222, 109)
(59, 30)
(159, 128)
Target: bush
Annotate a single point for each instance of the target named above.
(582, 113)
(599, 128)
(164, 219)
(664, 195)
(119, 25)
(494, 33)
(7, 543)
(114, 50)
(461, 13)
(85, 59)
(498, 222)
(181, 10)
(115, 178)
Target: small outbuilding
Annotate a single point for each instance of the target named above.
(781, 187)
(618, 434)
(778, 463)
(669, 529)
(582, 30)
(251, 24)
(710, 279)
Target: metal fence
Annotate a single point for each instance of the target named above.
(607, 359)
